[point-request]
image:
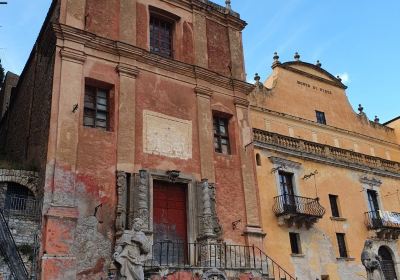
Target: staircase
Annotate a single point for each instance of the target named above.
(222, 256)
(9, 251)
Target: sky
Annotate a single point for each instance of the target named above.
(356, 39)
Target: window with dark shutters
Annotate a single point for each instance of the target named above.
(342, 245)
(96, 111)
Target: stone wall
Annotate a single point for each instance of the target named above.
(24, 127)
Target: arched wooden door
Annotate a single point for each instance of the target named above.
(387, 263)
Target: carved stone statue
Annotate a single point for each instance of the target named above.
(130, 254)
(372, 263)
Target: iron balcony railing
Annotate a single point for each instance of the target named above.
(297, 205)
(220, 255)
(382, 220)
(21, 207)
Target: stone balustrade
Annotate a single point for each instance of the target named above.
(316, 150)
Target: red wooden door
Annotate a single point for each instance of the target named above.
(169, 218)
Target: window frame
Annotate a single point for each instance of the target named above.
(95, 88)
(167, 18)
(295, 243)
(342, 245)
(218, 136)
(335, 206)
(321, 118)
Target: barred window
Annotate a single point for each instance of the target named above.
(161, 36)
(96, 108)
(221, 135)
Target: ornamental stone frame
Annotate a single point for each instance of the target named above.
(286, 166)
(135, 200)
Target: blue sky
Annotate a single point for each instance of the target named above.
(359, 40)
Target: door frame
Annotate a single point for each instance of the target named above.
(191, 200)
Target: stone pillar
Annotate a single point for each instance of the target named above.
(205, 121)
(61, 217)
(200, 40)
(75, 13)
(127, 28)
(126, 118)
(237, 58)
(253, 230)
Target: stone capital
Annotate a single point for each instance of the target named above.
(241, 102)
(127, 70)
(204, 92)
(73, 56)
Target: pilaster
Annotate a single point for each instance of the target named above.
(237, 58)
(128, 21)
(61, 217)
(200, 40)
(75, 13)
(205, 133)
(126, 117)
(253, 230)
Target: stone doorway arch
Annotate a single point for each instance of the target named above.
(387, 263)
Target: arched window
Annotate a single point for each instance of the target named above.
(258, 159)
(387, 263)
(20, 200)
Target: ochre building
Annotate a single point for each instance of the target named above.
(328, 177)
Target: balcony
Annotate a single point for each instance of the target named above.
(328, 154)
(298, 210)
(386, 224)
(206, 256)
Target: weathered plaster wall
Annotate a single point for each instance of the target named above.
(219, 56)
(102, 17)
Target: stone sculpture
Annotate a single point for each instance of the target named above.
(130, 254)
(372, 263)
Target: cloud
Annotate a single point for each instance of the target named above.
(345, 78)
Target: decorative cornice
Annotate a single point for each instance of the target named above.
(241, 102)
(285, 163)
(326, 154)
(101, 44)
(371, 181)
(204, 92)
(73, 56)
(127, 70)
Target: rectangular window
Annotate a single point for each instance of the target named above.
(161, 35)
(221, 135)
(295, 242)
(320, 117)
(373, 200)
(342, 245)
(96, 108)
(333, 199)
